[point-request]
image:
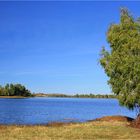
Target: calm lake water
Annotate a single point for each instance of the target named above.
(44, 110)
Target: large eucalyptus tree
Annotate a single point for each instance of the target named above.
(122, 62)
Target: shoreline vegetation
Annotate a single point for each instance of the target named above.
(20, 91)
(99, 96)
(107, 96)
(109, 127)
(12, 90)
(75, 95)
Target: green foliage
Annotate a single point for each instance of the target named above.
(122, 62)
(14, 90)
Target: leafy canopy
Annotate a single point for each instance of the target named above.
(14, 90)
(122, 62)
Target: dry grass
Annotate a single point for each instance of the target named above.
(96, 130)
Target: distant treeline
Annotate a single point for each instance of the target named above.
(95, 96)
(20, 90)
(77, 95)
(14, 90)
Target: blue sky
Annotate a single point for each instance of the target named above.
(54, 47)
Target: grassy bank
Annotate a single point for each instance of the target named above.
(97, 130)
